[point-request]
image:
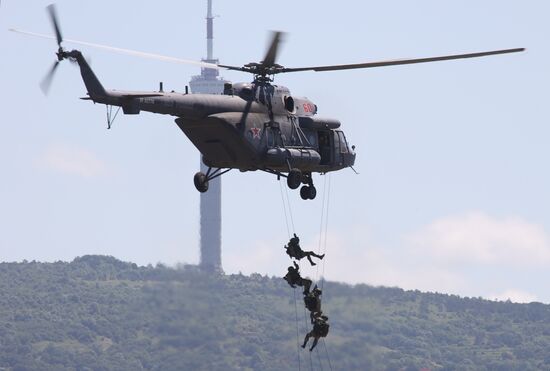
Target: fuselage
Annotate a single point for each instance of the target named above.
(252, 126)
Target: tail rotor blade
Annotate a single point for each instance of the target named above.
(53, 18)
(47, 80)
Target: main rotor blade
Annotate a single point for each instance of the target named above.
(401, 61)
(233, 68)
(53, 18)
(134, 53)
(47, 80)
(271, 54)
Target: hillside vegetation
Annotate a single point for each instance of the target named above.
(98, 313)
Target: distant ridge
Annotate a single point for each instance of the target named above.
(99, 313)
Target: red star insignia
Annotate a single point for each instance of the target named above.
(255, 133)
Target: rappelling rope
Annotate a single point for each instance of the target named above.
(321, 226)
(323, 247)
(305, 329)
(326, 229)
(297, 333)
(323, 238)
(328, 357)
(290, 211)
(319, 359)
(284, 209)
(286, 203)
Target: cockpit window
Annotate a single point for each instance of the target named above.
(343, 142)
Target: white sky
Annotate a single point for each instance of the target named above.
(452, 194)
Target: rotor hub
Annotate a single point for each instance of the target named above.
(61, 54)
(260, 69)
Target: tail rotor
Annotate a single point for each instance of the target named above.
(53, 18)
(61, 53)
(47, 80)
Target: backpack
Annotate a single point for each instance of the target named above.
(323, 329)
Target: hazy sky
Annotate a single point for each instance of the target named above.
(452, 194)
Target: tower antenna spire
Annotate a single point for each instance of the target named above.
(209, 32)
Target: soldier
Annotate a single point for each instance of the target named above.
(295, 251)
(320, 330)
(294, 279)
(312, 302)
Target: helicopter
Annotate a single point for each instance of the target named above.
(251, 126)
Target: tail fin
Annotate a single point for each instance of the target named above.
(95, 89)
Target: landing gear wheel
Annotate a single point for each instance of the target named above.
(308, 192)
(304, 193)
(312, 192)
(201, 182)
(294, 178)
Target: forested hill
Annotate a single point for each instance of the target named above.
(98, 313)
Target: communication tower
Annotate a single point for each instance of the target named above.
(209, 82)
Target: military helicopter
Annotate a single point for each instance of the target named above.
(251, 126)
